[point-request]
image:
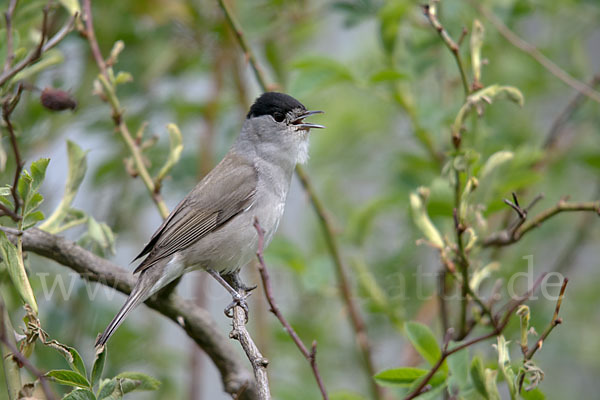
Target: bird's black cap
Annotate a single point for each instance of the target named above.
(274, 104)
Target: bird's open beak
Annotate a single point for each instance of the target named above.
(299, 120)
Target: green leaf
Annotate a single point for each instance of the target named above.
(110, 389)
(143, 381)
(123, 77)
(387, 75)
(406, 376)
(16, 270)
(70, 354)
(77, 169)
(32, 218)
(390, 16)
(482, 97)
(424, 342)
(490, 384)
(495, 161)
(476, 44)
(34, 202)
(98, 365)
(458, 364)
(175, 149)
(80, 394)
(38, 172)
(478, 377)
(504, 364)
(67, 377)
(535, 394)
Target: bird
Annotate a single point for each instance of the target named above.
(212, 227)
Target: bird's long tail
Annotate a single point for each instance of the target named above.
(139, 294)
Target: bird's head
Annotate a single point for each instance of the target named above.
(275, 123)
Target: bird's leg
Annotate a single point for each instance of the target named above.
(235, 281)
(239, 296)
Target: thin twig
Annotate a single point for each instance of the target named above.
(117, 113)
(496, 331)
(91, 38)
(508, 236)
(553, 323)
(241, 39)
(266, 280)
(358, 324)
(7, 108)
(430, 12)
(8, 16)
(24, 360)
(565, 115)
(258, 362)
(41, 48)
(530, 49)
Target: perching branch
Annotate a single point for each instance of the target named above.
(117, 112)
(197, 322)
(326, 225)
(258, 362)
(495, 332)
(311, 356)
(530, 49)
(513, 234)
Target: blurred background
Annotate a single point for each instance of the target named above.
(390, 90)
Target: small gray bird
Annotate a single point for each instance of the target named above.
(212, 227)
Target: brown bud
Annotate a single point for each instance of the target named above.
(57, 100)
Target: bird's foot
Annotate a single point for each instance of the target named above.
(239, 299)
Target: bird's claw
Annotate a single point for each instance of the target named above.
(238, 300)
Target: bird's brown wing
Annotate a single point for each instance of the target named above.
(225, 192)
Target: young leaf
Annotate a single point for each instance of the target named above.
(476, 44)
(424, 342)
(405, 376)
(110, 389)
(490, 384)
(504, 364)
(98, 365)
(390, 16)
(495, 161)
(175, 149)
(143, 381)
(67, 377)
(535, 394)
(458, 364)
(70, 354)
(16, 271)
(80, 394)
(77, 169)
(32, 218)
(422, 221)
(478, 377)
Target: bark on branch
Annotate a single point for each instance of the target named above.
(197, 322)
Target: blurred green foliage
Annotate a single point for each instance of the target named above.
(391, 92)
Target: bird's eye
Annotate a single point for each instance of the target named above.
(279, 117)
